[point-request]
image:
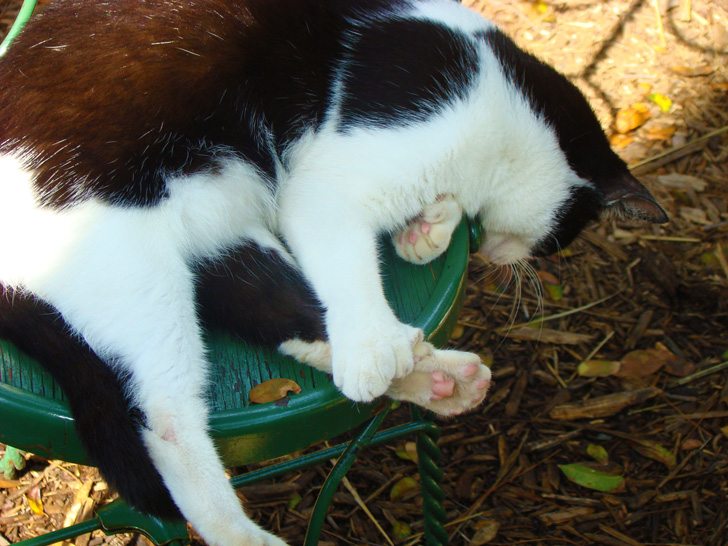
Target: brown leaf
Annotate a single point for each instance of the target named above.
(655, 451)
(34, 500)
(487, 531)
(692, 71)
(640, 363)
(602, 406)
(272, 390)
(619, 141)
(8, 483)
(546, 335)
(661, 133)
(632, 117)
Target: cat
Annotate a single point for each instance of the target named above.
(166, 165)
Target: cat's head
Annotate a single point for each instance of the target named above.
(564, 172)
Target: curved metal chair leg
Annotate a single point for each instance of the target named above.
(337, 474)
(429, 455)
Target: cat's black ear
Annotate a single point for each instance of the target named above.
(627, 198)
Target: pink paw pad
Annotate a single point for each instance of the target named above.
(470, 370)
(425, 227)
(482, 384)
(441, 386)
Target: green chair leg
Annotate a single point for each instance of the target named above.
(337, 474)
(428, 455)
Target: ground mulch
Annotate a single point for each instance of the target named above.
(609, 360)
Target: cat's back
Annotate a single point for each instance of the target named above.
(117, 91)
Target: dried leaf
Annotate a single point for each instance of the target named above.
(547, 277)
(699, 70)
(408, 452)
(683, 181)
(602, 406)
(591, 478)
(487, 531)
(34, 500)
(272, 390)
(8, 483)
(695, 215)
(640, 363)
(690, 444)
(555, 518)
(661, 133)
(655, 451)
(402, 487)
(400, 530)
(457, 332)
(619, 141)
(632, 117)
(546, 335)
(293, 500)
(555, 291)
(598, 453)
(661, 100)
(598, 368)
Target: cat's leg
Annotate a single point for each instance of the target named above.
(335, 243)
(428, 236)
(107, 423)
(444, 381)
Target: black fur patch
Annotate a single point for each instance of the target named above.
(257, 295)
(562, 106)
(107, 424)
(402, 71)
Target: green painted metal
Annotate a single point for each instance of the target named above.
(342, 466)
(428, 457)
(66, 533)
(26, 10)
(119, 517)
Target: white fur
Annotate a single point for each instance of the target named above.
(121, 276)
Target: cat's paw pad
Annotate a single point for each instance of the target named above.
(428, 236)
(365, 364)
(445, 382)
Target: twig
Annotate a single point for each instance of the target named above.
(698, 375)
(721, 258)
(364, 508)
(656, 161)
(559, 315)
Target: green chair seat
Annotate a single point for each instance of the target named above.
(35, 416)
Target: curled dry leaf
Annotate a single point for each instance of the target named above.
(598, 368)
(272, 390)
(598, 453)
(656, 452)
(402, 487)
(619, 141)
(602, 406)
(34, 500)
(632, 117)
(487, 531)
(692, 71)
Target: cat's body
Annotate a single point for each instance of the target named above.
(152, 150)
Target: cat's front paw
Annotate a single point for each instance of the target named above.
(428, 236)
(445, 382)
(365, 362)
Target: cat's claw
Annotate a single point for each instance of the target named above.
(427, 236)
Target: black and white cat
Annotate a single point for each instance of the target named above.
(167, 164)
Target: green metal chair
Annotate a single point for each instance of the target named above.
(35, 418)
